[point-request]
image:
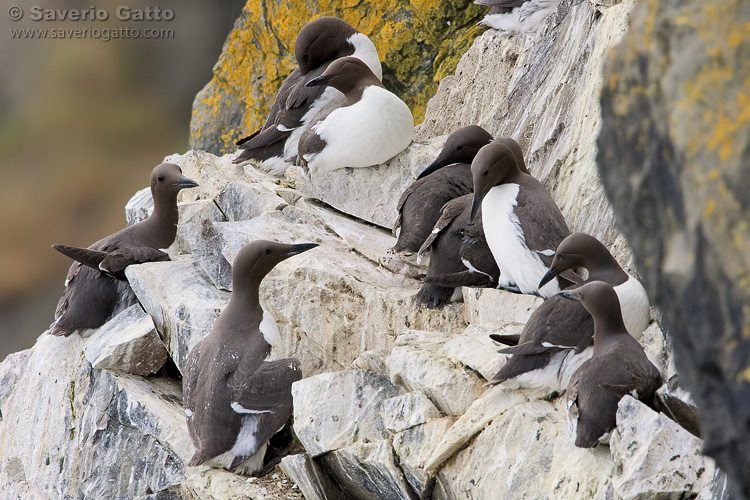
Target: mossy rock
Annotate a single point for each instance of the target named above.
(419, 43)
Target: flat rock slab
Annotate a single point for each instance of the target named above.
(312, 480)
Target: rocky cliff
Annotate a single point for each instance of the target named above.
(393, 403)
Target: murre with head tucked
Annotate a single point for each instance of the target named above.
(236, 395)
(95, 288)
(366, 126)
(517, 16)
(521, 222)
(559, 335)
(318, 43)
(446, 178)
(618, 367)
(459, 255)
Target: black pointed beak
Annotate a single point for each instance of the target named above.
(476, 202)
(318, 81)
(186, 183)
(549, 276)
(300, 247)
(434, 166)
(567, 294)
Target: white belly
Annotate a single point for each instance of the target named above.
(367, 133)
(518, 265)
(634, 305)
(556, 375)
(270, 331)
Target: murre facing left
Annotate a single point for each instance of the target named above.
(619, 367)
(95, 288)
(446, 178)
(521, 222)
(518, 16)
(236, 396)
(318, 43)
(583, 250)
(366, 126)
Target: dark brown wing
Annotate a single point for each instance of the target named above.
(544, 224)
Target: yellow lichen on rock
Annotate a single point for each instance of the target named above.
(419, 43)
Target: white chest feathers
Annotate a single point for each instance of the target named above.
(518, 265)
(634, 305)
(369, 132)
(270, 331)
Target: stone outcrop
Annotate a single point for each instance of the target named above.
(675, 158)
(418, 42)
(393, 403)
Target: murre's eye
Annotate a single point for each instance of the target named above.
(305, 57)
(486, 172)
(160, 178)
(268, 251)
(460, 148)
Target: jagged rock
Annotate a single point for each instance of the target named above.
(206, 244)
(417, 364)
(492, 404)
(550, 84)
(128, 343)
(578, 472)
(104, 435)
(336, 410)
(654, 457)
(217, 484)
(370, 193)
(374, 361)
(510, 458)
(183, 307)
(242, 200)
(367, 470)
(139, 207)
(405, 411)
(674, 155)
(476, 350)
(314, 483)
(417, 44)
(11, 370)
(414, 446)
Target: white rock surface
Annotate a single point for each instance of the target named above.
(335, 410)
(654, 457)
(314, 483)
(128, 343)
(408, 410)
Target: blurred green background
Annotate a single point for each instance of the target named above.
(82, 123)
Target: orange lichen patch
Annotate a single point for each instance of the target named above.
(419, 42)
(710, 209)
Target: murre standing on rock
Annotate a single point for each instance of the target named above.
(618, 367)
(366, 126)
(236, 396)
(95, 288)
(458, 248)
(519, 16)
(446, 178)
(317, 44)
(521, 222)
(559, 335)
(583, 250)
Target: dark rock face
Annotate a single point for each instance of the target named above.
(674, 157)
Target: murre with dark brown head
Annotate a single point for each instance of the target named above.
(318, 43)
(95, 288)
(559, 335)
(618, 367)
(367, 125)
(236, 392)
(521, 222)
(446, 178)
(459, 255)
